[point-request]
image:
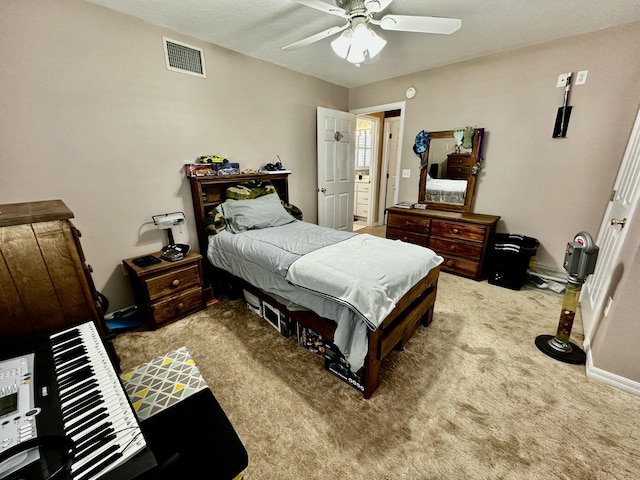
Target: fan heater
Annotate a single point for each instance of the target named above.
(580, 262)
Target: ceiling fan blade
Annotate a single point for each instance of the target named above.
(375, 6)
(323, 7)
(314, 38)
(410, 23)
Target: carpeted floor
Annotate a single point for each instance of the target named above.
(471, 397)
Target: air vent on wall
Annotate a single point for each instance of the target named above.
(184, 58)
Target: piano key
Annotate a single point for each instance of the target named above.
(105, 427)
(82, 426)
(64, 336)
(89, 447)
(78, 362)
(98, 468)
(82, 407)
(73, 393)
(85, 464)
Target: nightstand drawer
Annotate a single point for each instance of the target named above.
(176, 306)
(407, 236)
(409, 222)
(464, 231)
(172, 282)
(472, 251)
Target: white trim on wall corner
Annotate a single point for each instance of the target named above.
(612, 379)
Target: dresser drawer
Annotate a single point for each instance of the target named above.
(176, 306)
(409, 222)
(362, 187)
(471, 251)
(458, 172)
(362, 210)
(407, 236)
(461, 266)
(362, 199)
(463, 231)
(458, 160)
(173, 281)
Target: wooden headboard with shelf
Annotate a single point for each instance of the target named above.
(208, 192)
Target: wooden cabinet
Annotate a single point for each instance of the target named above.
(167, 291)
(459, 166)
(45, 283)
(361, 203)
(462, 239)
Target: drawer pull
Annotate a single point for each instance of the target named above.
(175, 283)
(453, 248)
(406, 223)
(450, 263)
(179, 306)
(456, 231)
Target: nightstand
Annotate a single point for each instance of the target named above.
(167, 291)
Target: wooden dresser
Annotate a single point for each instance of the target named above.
(462, 239)
(167, 291)
(45, 283)
(459, 166)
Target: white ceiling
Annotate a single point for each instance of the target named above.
(260, 28)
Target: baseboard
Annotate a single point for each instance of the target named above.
(612, 379)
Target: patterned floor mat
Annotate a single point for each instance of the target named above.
(162, 382)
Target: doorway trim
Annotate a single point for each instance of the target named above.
(375, 180)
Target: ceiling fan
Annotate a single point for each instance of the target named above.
(358, 43)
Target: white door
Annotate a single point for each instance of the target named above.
(336, 159)
(612, 235)
(392, 134)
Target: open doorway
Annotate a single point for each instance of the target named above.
(384, 165)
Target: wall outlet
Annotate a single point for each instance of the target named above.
(562, 80)
(581, 77)
(406, 173)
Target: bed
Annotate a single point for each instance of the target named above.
(294, 265)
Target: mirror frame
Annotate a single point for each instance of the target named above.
(478, 136)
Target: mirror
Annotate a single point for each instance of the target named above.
(448, 171)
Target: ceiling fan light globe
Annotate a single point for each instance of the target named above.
(355, 56)
(361, 36)
(341, 44)
(376, 44)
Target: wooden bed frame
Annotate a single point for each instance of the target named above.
(413, 309)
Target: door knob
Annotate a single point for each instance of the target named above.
(323, 190)
(615, 221)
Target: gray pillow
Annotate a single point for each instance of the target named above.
(262, 212)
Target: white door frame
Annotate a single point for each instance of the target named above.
(384, 183)
(611, 238)
(375, 181)
(375, 149)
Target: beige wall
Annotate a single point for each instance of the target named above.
(542, 187)
(91, 115)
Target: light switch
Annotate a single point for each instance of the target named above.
(406, 173)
